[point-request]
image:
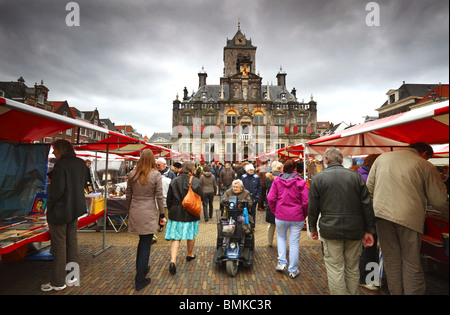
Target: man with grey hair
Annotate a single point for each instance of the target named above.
(341, 197)
(401, 184)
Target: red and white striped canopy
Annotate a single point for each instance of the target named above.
(120, 144)
(24, 123)
(293, 151)
(428, 124)
(441, 152)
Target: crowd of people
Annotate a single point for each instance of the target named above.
(350, 212)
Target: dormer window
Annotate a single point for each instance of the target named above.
(41, 99)
(392, 98)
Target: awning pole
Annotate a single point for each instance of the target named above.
(106, 199)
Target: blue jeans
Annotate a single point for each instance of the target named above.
(295, 228)
(142, 257)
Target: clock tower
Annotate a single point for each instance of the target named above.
(239, 69)
(237, 51)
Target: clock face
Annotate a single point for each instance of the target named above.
(240, 40)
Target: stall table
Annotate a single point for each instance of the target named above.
(117, 213)
(40, 233)
(432, 241)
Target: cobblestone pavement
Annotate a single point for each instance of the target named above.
(112, 272)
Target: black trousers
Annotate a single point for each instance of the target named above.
(143, 256)
(208, 199)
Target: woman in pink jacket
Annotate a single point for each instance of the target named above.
(288, 200)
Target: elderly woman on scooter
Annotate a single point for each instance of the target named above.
(237, 190)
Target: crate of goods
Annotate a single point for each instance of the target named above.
(98, 205)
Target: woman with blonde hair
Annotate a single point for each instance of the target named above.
(144, 190)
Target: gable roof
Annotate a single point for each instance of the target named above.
(323, 124)
(412, 90)
(14, 89)
(166, 136)
(108, 124)
(126, 128)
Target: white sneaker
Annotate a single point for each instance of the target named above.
(294, 274)
(370, 287)
(48, 287)
(280, 267)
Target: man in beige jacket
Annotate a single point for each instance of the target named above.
(401, 183)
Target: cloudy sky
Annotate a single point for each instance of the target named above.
(129, 59)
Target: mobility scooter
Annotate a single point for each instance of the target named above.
(235, 238)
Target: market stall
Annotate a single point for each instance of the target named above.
(294, 151)
(36, 124)
(427, 124)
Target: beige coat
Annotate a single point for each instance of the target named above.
(141, 203)
(400, 182)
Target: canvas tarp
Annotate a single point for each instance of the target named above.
(22, 174)
(428, 124)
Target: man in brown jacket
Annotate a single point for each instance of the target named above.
(400, 183)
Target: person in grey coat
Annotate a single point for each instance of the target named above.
(209, 187)
(144, 193)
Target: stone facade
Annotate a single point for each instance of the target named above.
(241, 116)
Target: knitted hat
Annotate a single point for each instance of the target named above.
(249, 167)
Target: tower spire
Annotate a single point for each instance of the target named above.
(239, 24)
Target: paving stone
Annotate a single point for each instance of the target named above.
(112, 272)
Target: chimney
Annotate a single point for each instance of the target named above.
(281, 77)
(202, 77)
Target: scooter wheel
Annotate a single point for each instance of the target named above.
(232, 267)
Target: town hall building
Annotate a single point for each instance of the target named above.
(241, 116)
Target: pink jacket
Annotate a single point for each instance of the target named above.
(288, 197)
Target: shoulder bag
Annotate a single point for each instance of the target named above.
(192, 202)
